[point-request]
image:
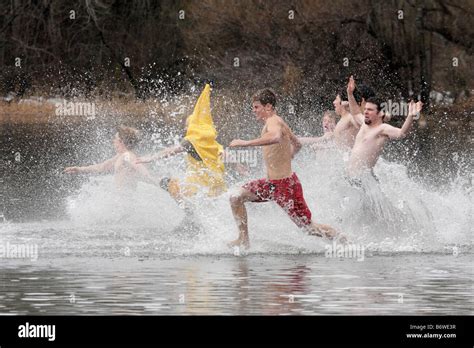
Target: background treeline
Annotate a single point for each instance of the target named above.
(143, 63)
(304, 49)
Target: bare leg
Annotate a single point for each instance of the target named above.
(325, 231)
(237, 203)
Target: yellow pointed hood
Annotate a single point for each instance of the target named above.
(202, 134)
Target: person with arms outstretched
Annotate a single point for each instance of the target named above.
(123, 165)
(373, 133)
(326, 140)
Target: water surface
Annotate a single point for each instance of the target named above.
(245, 285)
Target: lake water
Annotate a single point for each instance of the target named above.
(90, 250)
(251, 285)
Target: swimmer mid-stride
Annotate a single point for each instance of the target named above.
(281, 184)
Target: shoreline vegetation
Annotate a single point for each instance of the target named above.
(61, 110)
(442, 136)
(304, 49)
(57, 110)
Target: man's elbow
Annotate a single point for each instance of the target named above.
(297, 149)
(298, 145)
(404, 132)
(400, 135)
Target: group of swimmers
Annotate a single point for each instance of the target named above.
(363, 134)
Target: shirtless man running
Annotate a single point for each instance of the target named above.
(281, 185)
(373, 133)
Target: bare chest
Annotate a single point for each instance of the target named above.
(122, 163)
(369, 135)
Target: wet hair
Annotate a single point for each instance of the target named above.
(375, 101)
(331, 114)
(129, 136)
(265, 96)
(363, 92)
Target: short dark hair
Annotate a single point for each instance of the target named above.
(375, 101)
(363, 91)
(129, 136)
(265, 96)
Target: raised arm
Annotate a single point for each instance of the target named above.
(399, 133)
(272, 136)
(104, 167)
(353, 106)
(339, 107)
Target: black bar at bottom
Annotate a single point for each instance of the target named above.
(454, 331)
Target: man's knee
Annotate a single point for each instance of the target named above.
(236, 199)
(240, 197)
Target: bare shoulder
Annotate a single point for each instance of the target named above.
(384, 128)
(274, 123)
(276, 120)
(282, 123)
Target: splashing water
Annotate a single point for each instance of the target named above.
(393, 214)
(140, 250)
(100, 203)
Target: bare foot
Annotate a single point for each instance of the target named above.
(240, 243)
(315, 232)
(340, 238)
(332, 234)
(326, 231)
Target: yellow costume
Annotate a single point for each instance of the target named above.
(207, 174)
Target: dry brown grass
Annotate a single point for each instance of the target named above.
(15, 112)
(45, 112)
(228, 106)
(173, 111)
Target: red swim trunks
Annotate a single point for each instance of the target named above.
(287, 193)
